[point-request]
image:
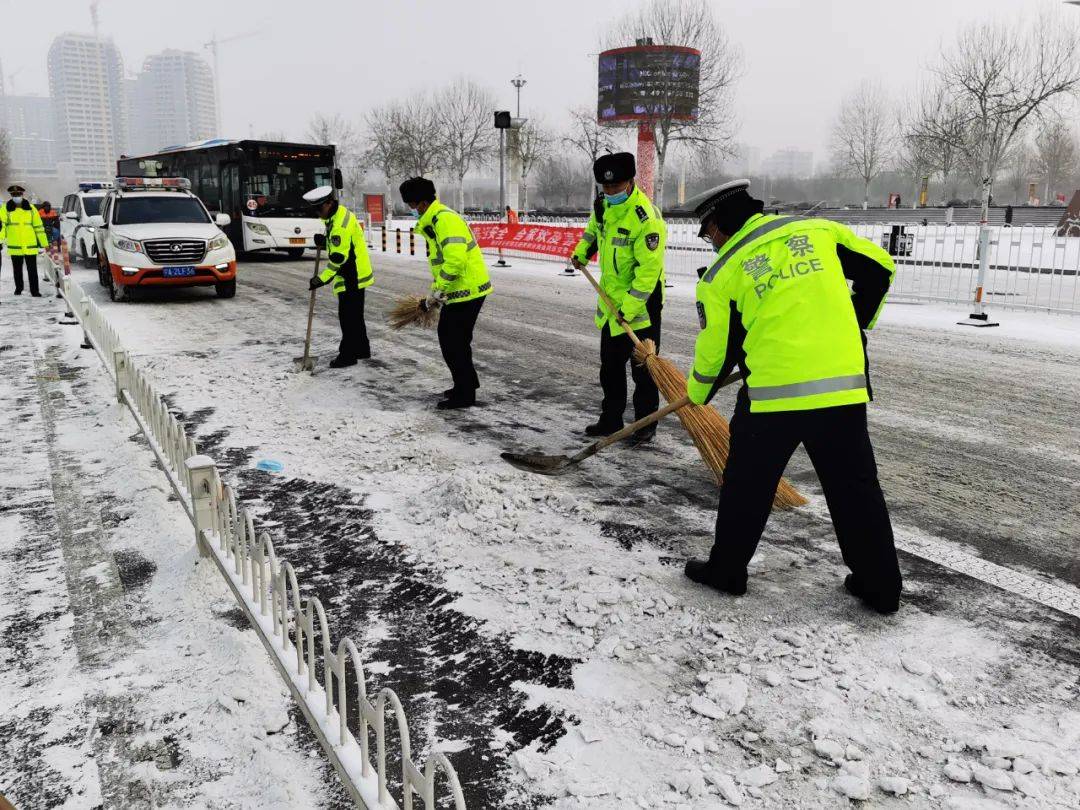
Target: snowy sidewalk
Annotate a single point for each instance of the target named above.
(127, 677)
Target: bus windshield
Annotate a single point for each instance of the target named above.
(278, 187)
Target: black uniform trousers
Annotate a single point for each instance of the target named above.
(837, 441)
(615, 352)
(31, 273)
(456, 323)
(354, 340)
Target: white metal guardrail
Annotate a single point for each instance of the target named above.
(292, 628)
(1030, 267)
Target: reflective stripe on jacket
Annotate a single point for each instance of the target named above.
(630, 245)
(802, 344)
(21, 229)
(458, 270)
(348, 262)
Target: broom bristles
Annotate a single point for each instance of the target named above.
(707, 428)
(407, 312)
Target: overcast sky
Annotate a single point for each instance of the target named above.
(800, 56)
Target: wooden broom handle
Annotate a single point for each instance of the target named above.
(612, 309)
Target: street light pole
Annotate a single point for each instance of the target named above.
(518, 82)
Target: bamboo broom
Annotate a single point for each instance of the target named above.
(407, 312)
(707, 428)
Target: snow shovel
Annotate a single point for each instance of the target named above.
(307, 362)
(557, 465)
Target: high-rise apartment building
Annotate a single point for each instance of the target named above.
(86, 82)
(172, 102)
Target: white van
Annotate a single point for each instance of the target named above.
(80, 217)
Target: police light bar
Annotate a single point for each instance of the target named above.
(95, 186)
(132, 183)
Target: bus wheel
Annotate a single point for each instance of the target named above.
(295, 253)
(226, 289)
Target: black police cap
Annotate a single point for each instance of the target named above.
(417, 190)
(614, 168)
(728, 205)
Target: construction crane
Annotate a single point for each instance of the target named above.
(212, 45)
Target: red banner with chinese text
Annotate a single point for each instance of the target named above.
(549, 240)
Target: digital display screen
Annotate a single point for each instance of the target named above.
(648, 81)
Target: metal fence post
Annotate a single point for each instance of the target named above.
(397, 239)
(384, 238)
(201, 474)
(122, 368)
(412, 242)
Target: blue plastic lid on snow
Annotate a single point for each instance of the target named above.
(269, 465)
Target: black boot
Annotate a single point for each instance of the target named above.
(453, 403)
(602, 428)
(704, 573)
(882, 604)
(342, 362)
(643, 436)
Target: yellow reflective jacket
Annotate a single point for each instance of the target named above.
(458, 270)
(630, 240)
(21, 229)
(779, 290)
(348, 262)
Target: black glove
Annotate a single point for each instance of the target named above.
(315, 283)
(320, 240)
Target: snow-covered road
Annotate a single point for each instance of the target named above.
(540, 631)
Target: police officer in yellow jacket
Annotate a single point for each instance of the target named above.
(627, 234)
(460, 283)
(348, 267)
(776, 302)
(22, 231)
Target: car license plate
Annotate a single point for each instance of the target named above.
(176, 272)
(299, 241)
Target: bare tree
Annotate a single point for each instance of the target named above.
(1019, 170)
(381, 149)
(589, 138)
(335, 129)
(534, 144)
(414, 125)
(863, 135)
(1002, 75)
(5, 158)
(465, 127)
(694, 24)
(942, 127)
(1056, 155)
(557, 180)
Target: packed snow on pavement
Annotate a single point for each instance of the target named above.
(128, 677)
(540, 631)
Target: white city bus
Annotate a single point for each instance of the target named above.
(259, 184)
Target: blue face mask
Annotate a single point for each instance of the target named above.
(414, 212)
(615, 199)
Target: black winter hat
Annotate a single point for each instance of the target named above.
(614, 168)
(417, 190)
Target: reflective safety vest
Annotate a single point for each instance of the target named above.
(21, 229)
(458, 270)
(629, 240)
(781, 276)
(349, 265)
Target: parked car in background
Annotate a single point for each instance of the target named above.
(80, 216)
